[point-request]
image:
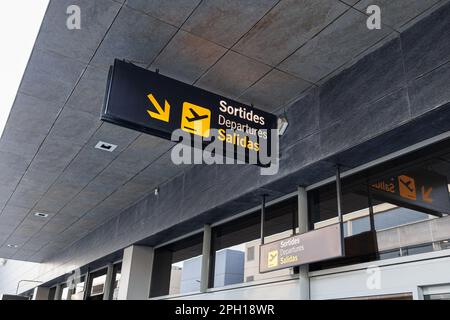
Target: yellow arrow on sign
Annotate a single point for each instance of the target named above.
(426, 194)
(162, 114)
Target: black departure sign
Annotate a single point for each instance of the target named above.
(421, 190)
(155, 104)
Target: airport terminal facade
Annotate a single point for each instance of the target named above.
(371, 142)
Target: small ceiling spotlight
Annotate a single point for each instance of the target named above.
(12, 246)
(282, 125)
(105, 146)
(156, 191)
(41, 215)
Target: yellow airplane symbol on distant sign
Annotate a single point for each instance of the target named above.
(162, 114)
(272, 259)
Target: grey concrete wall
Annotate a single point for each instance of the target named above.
(396, 96)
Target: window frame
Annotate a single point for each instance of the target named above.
(252, 255)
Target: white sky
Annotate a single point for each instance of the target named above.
(20, 21)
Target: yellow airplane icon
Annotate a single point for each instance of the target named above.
(196, 119)
(272, 259)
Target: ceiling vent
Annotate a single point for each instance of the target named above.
(105, 146)
(41, 215)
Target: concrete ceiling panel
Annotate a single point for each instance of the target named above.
(225, 21)
(134, 36)
(74, 127)
(80, 44)
(50, 76)
(187, 57)
(232, 75)
(275, 90)
(288, 26)
(174, 12)
(333, 47)
(89, 94)
(399, 12)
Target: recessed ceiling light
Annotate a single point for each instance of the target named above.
(41, 215)
(13, 246)
(105, 146)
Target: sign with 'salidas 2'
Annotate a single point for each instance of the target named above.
(417, 189)
(158, 105)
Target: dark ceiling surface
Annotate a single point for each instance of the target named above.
(261, 52)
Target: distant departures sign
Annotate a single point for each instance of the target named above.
(158, 105)
(317, 245)
(421, 190)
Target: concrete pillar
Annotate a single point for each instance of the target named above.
(109, 282)
(41, 293)
(303, 227)
(58, 292)
(206, 255)
(137, 267)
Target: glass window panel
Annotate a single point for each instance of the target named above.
(98, 285)
(404, 211)
(64, 294)
(390, 254)
(250, 253)
(78, 291)
(444, 296)
(176, 267)
(236, 244)
(419, 249)
(445, 244)
(116, 275)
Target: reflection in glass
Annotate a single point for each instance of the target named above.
(397, 209)
(78, 291)
(98, 285)
(116, 283)
(236, 245)
(177, 267)
(64, 293)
